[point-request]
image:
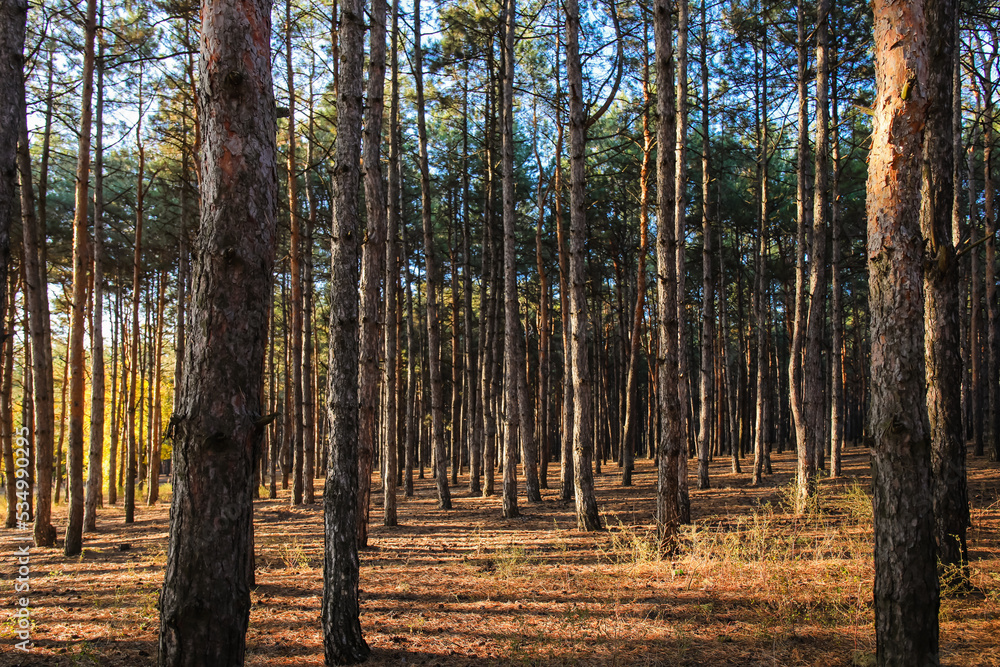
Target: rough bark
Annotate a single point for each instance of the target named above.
(217, 428)
(670, 443)
(587, 517)
(13, 20)
(391, 290)
(906, 586)
(942, 343)
(342, 638)
(372, 263)
(680, 220)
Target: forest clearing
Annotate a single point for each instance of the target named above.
(751, 584)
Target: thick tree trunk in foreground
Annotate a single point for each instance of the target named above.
(670, 444)
(906, 586)
(217, 427)
(587, 517)
(342, 639)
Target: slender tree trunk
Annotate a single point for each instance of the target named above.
(74, 527)
(410, 439)
(511, 316)
(837, 292)
(391, 288)
(295, 271)
(309, 419)
(680, 220)
(587, 517)
(631, 398)
(96, 455)
(906, 585)
(372, 264)
(133, 425)
(342, 638)
(430, 259)
(155, 442)
(217, 426)
(37, 300)
(117, 334)
(7, 416)
(802, 213)
(707, 277)
(670, 443)
(813, 403)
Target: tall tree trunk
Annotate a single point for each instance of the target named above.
(295, 271)
(342, 637)
(155, 442)
(96, 455)
(906, 585)
(587, 517)
(217, 427)
(390, 374)
(117, 333)
(512, 361)
(37, 300)
(670, 443)
(308, 366)
(410, 438)
(133, 425)
(992, 308)
(74, 527)
(802, 218)
(837, 416)
(632, 417)
(707, 277)
(680, 219)
(430, 259)
(813, 403)
(942, 343)
(372, 263)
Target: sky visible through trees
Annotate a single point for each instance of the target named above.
(507, 247)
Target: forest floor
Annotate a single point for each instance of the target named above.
(751, 585)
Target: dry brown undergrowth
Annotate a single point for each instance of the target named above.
(751, 584)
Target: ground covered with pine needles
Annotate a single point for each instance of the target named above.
(751, 584)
